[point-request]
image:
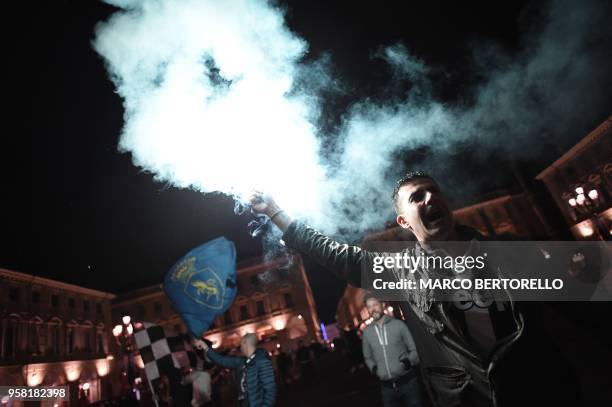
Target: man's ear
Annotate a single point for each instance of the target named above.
(401, 220)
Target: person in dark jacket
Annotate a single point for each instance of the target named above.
(257, 385)
(488, 356)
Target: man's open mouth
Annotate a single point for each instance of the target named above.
(435, 215)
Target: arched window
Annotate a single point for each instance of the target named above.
(100, 338)
(261, 309)
(9, 336)
(100, 343)
(288, 300)
(227, 318)
(88, 337)
(70, 337)
(244, 312)
(36, 330)
(55, 338)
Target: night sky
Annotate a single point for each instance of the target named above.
(76, 210)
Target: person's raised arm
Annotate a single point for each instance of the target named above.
(265, 204)
(345, 261)
(231, 362)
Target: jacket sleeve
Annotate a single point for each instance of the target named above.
(231, 362)
(368, 357)
(265, 372)
(409, 342)
(343, 260)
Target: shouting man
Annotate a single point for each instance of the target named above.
(490, 356)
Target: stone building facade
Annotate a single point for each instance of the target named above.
(54, 333)
(580, 183)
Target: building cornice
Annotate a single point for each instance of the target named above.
(32, 279)
(582, 145)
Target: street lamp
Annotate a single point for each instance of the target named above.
(123, 334)
(587, 205)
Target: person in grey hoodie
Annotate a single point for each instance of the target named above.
(390, 353)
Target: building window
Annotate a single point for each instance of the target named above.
(88, 332)
(227, 317)
(157, 306)
(86, 306)
(55, 300)
(100, 342)
(14, 294)
(261, 311)
(71, 303)
(56, 339)
(34, 339)
(142, 312)
(244, 312)
(35, 297)
(255, 280)
(288, 300)
(9, 338)
(70, 341)
(99, 307)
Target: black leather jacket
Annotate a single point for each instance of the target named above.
(524, 368)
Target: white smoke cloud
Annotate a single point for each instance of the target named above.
(217, 98)
(206, 90)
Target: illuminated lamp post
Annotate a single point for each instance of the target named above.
(587, 202)
(123, 334)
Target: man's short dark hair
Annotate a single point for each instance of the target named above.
(368, 295)
(406, 179)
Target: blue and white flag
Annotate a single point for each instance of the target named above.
(202, 284)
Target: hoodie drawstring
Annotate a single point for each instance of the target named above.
(384, 341)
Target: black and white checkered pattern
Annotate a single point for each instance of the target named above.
(163, 350)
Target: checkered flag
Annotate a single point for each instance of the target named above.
(164, 351)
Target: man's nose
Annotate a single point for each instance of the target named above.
(428, 196)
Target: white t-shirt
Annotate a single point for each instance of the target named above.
(202, 389)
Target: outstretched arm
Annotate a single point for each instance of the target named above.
(231, 362)
(265, 204)
(344, 260)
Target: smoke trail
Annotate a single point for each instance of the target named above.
(217, 98)
(550, 93)
(209, 97)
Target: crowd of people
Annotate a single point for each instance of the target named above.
(293, 370)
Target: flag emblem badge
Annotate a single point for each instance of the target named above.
(206, 288)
